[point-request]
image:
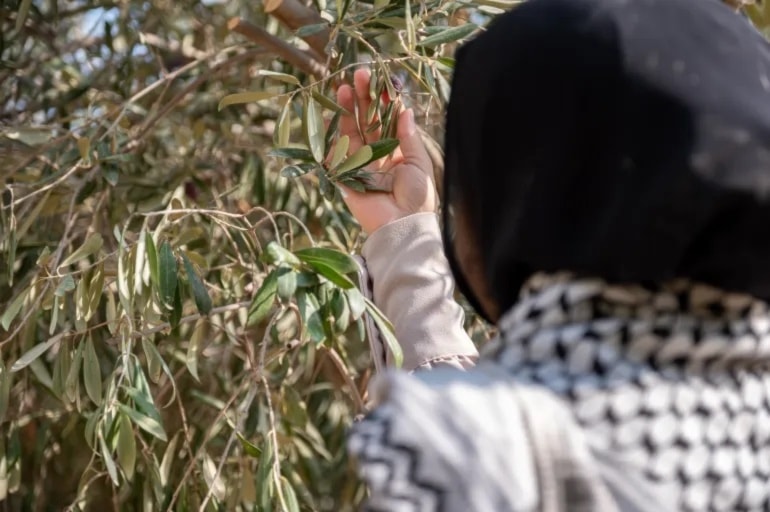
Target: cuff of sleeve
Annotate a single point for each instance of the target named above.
(378, 248)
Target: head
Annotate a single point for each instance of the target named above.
(612, 139)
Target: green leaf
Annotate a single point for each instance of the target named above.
(92, 244)
(340, 151)
(149, 425)
(450, 34)
(314, 128)
(245, 97)
(374, 85)
(92, 373)
(192, 349)
(340, 311)
(13, 310)
(309, 30)
(292, 171)
(6, 379)
(72, 382)
(447, 62)
(309, 311)
(143, 401)
(152, 258)
(389, 120)
(89, 431)
(294, 153)
(111, 313)
(355, 161)
(248, 447)
(339, 261)
(287, 285)
(264, 475)
(126, 447)
(331, 130)
(292, 504)
(95, 291)
(61, 369)
(33, 353)
(387, 332)
(153, 359)
(168, 460)
(326, 187)
(275, 253)
(307, 279)
(167, 274)
(332, 275)
(283, 77)
(283, 128)
(326, 101)
(353, 183)
(264, 298)
(67, 284)
(331, 264)
(356, 302)
(109, 462)
(411, 35)
(21, 14)
(176, 311)
(382, 148)
(200, 293)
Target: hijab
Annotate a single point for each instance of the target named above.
(623, 139)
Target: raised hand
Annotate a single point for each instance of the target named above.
(406, 177)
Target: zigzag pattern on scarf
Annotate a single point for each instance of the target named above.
(391, 469)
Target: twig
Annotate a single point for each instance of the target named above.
(201, 448)
(191, 318)
(210, 492)
(51, 185)
(191, 87)
(340, 364)
(161, 81)
(289, 53)
(259, 375)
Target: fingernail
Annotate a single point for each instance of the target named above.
(411, 128)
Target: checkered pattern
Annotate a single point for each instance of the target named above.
(671, 379)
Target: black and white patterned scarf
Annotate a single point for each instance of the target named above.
(668, 383)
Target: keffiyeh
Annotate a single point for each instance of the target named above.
(667, 385)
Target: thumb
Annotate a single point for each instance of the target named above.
(410, 142)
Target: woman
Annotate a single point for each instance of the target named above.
(606, 205)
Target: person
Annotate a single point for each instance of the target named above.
(606, 204)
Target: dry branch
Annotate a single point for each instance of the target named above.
(293, 15)
(294, 56)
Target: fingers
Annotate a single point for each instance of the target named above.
(371, 210)
(411, 144)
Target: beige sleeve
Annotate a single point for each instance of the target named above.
(412, 284)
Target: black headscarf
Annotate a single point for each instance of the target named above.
(623, 139)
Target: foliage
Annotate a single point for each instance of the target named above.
(180, 326)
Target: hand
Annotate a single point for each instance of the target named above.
(407, 174)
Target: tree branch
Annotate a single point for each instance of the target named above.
(293, 15)
(289, 53)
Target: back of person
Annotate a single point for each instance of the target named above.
(607, 206)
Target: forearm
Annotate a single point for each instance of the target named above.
(413, 286)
